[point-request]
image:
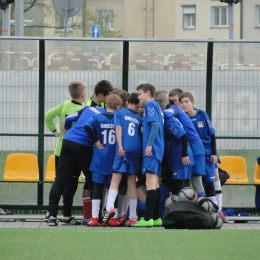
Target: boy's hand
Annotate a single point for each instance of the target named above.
(213, 159)
(148, 151)
(99, 145)
(121, 151)
(56, 133)
(63, 130)
(185, 160)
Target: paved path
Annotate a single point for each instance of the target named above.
(31, 223)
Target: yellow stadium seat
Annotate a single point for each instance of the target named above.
(21, 167)
(257, 174)
(50, 169)
(235, 166)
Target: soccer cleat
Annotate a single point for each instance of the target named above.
(113, 222)
(143, 223)
(69, 221)
(122, 220)
(130, 222)
(46, 217)
(157, 222)
(93, 222)
(52, 221)
(85, 221)
(110, 214)
(223, 217)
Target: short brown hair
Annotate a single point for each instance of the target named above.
(76, 88)
(116, 91)
(145, 87)
(113, 101)
(161, 94)
(124, 97)
(175, 91)
(161, 103)
(188, 95)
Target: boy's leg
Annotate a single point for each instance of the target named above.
(218, 194)
(131, 183)
(66, 169)
(96, 200)
(209, 179)
(78, 155)
(111, 198)
(86, 194)
(151, 186)
(198, 169)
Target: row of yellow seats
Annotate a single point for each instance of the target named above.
(235, 166)
(24, 167)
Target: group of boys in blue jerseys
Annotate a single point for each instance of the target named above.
(167, 145)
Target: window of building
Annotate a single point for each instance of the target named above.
(257, 16)
(106, 18)
(189, 18)
(219, 16)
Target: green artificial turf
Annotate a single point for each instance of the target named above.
(132, 243)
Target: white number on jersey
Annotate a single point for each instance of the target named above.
(131, 129)
(111, 136)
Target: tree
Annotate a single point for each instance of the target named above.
(42, 12)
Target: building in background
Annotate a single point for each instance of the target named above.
(171, 19)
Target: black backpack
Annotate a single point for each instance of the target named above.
(187, 215)
(223, 176)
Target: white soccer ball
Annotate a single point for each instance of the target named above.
(170, 200)
(188, 194)
(207, 205)
(217, 220)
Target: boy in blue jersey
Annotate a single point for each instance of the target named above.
(198, 169)
(101, 130)
(127, 159)
(201, 121)
(153, 148)
(76, 155)
(177, 152)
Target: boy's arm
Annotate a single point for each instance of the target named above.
(184, 143)
(154, 130)
(121, 151)
(70, 119)
(214, 149)
(49, 119)
(90, 129)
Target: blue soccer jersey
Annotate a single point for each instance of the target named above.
(186, 123)
(204, 128)
(173, 131)
(102, 127)
(131, 124)
(77, 132)
(153, 113)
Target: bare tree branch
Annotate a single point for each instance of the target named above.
(32, 4)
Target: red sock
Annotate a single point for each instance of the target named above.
(87, 207)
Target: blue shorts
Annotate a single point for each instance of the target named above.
(210, 170)
(199, 166)
(151, 165)
(125, 167)
(182, 173)
(101, 178)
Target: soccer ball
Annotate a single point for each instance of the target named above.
(217, 220)
(170, 200)
(207, 204)
(188, 194)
